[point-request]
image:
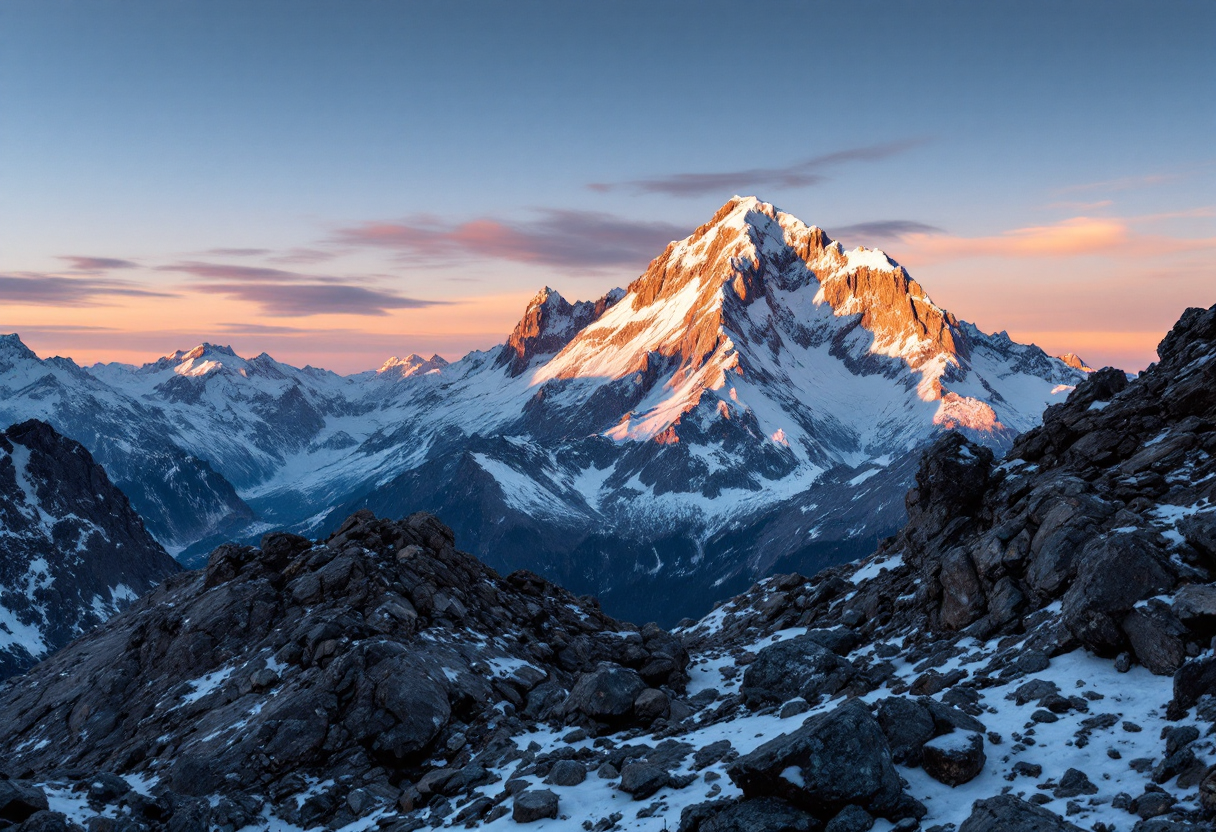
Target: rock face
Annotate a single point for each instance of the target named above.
(73, 551)
(366, 656)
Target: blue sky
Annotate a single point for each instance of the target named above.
(407, 152)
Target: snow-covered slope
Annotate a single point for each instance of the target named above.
(170, 482)
(72, 550)
(757, 378)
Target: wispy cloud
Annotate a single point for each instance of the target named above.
(261, 274)
(1075, 237)
(97, 264)
(305, 299)
(797, 175)
(262, 329)
(884, 230)
(39, 289)
(558, 238)
(302, 256)
(238, 252)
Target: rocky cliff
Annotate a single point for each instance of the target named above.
(72, 550)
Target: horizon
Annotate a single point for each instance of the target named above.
(335, 188)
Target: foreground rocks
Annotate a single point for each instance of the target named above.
(365, 660)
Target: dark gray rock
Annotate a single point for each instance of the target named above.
(1157, 638)
(20, 800)
(1113, 573)
(762, 814)
(907, 725)
(641, 780)
(1006, 813)
(1194, 679)
(834, 759)
(791, 668)
(533, 805)
(1074, 783)
(46, 821)
(954, 758)
(567, 773)
(850, 819)
(605, 694)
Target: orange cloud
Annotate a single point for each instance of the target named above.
(1075, 237)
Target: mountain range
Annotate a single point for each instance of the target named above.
(757, 400)
(1032, 652)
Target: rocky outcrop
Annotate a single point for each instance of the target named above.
(548, 324)
(73, 551)
(378, 655)
(836, 759)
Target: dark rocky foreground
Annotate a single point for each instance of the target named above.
(72, 550)
(1032, 652)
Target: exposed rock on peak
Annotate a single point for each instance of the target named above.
(72, 552)
(548, 324)
(1076, 362)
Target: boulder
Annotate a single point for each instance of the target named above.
(566, 773)
(533, 805)
(652, 704)
(1006, 813)
(1195, 603)
(1114, 573)
(954, 758)
(1157, 638)
(1194, 679)
(606, 694)
(641, 780)
(761, 814)
(795, 667)
(19, 801)
(850, 819)
(907, 725)
(834, 759)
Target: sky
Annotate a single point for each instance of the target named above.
(335, 183)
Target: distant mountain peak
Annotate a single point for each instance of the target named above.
(548, 324)
(412, 364)
(1076, 362)
(13, 345)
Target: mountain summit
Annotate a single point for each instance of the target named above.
(757, 399)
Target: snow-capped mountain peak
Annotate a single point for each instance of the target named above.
(412, 364)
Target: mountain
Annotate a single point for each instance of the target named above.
(72, 550)
(180, 496)
(756, 401)
(1032, 651)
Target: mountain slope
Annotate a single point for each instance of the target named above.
(72, 550)
(177, 492)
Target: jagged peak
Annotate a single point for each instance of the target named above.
(1075, 361)
(13, 344)
(548, 324)
(412, 364)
